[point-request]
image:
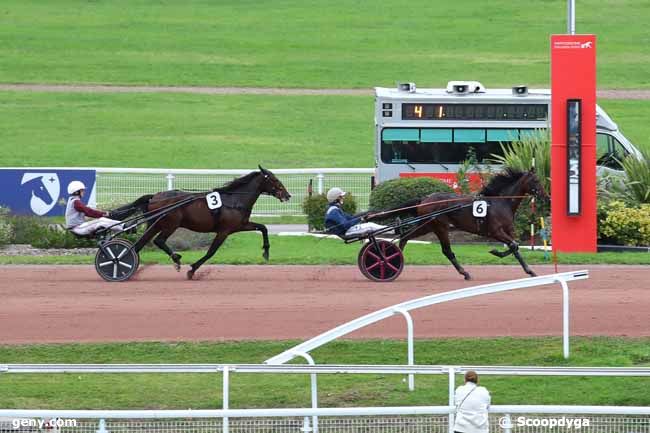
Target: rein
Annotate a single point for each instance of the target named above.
(491, 197)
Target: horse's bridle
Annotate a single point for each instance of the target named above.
(274, 188)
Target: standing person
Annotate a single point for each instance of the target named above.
(76, 212)
(472, 404)
(340, 223)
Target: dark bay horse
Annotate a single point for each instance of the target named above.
(238, 198)
(503, 194)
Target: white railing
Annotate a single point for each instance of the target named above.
(117, 186)
(122, 185)
(601, 419)
(315, 412)
(403, 309)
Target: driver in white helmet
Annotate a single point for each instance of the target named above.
(342, 224)
(76, 212)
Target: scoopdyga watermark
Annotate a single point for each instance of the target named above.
(41, 424)
(505, 422)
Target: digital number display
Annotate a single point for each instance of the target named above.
(474, 112)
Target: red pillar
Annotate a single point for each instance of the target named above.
(573, 150)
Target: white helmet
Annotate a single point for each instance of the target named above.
(335, 193)
(75, 186)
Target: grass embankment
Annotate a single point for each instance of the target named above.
(289, 43)
(246, 248)
(175, 391)
(199, 131)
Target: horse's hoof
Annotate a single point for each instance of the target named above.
(266, 257)
(532, 274)
(190, 274)
(176, 258)
(467, 276)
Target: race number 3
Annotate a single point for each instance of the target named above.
(214, 200)
(479, 208)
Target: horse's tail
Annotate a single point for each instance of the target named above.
(123, 212)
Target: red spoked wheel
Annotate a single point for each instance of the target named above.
(381, 261)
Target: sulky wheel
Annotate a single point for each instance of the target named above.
(381, 261)
(116, 260)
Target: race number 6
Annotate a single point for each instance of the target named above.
(213, 200)
(479, 208)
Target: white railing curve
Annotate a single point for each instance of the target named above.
(404, 307)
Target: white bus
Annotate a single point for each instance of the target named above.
(429, 132)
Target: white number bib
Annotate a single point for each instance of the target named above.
(479, 208)
(214, 200)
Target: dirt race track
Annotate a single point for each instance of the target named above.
(72, 304)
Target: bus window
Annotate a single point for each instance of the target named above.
(445, 145)
(609, 151)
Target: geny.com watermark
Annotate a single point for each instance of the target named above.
(51, 423)
(506, 422)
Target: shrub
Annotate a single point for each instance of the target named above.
(314, 207)
(395, 192)
(626, 225)
(519, 155)
(53, 237)
(637, 172)
(6, 228)
(39, 233)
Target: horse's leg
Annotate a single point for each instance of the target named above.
(442, 232)
(216, 243)
(160, 242)
(423, 229)
(513, 248)
(501, 254)
(152, 230)
(250, 226)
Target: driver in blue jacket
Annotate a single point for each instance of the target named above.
(342, 224)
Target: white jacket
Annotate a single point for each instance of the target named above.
(471, 409)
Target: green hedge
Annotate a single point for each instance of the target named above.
(624, 224)
(6, 228)
(394, 192)
(314, 207)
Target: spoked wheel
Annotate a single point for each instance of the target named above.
(116, 260)
(381, 261)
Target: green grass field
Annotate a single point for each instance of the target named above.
(246, 248)
(292, 43)
(182, 391)
(196, 131)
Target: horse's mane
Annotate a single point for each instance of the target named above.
(501, 181)
(244, 180)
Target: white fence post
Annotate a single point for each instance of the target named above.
(102, 426)
(452, 390)
(565, 317)
(170, 181)
(411, 356)
(321, 178)
(314, 388)
(226, 396)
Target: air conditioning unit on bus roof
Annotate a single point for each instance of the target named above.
(465, 87)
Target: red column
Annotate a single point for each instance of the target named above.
(573, 78)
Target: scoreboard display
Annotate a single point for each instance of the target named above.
(411, 111)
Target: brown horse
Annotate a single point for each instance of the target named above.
(503, 195)
(193, 213)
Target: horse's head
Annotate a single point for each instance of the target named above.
(533, 186)
(272, 186)
(39, 190)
